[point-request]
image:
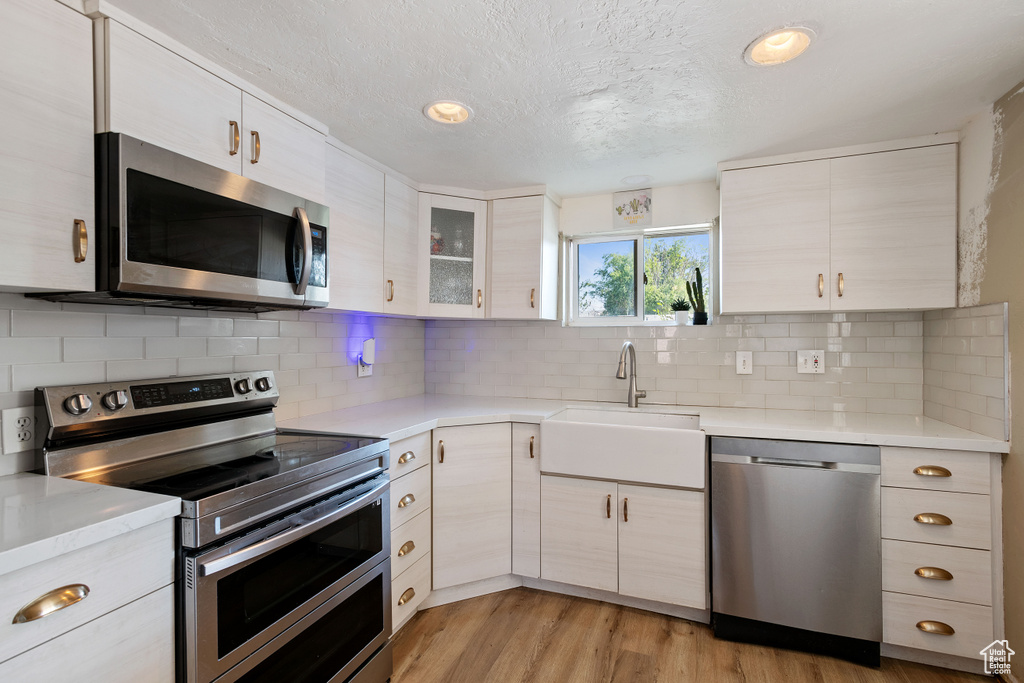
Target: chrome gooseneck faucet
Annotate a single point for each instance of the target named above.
(633, 395)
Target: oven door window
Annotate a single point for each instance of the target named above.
(256, 596)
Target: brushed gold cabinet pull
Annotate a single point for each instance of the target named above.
(406, 548)
(408, 595)
(407, 500)
(625, 509)
(936, 627)
(81, 240)
(609, 506)
(532, 293)
(933, 573)
(391, 290)
(841, 284)
(406, 457)
(255, 148)
(821, 285)
(236, 138)
(479, 298)
(932, 518)
(932, 471)
(51, 602)
(440, 451)
(531, 446)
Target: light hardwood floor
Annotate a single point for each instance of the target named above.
(524, 635)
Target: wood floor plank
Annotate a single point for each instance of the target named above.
(530, 636)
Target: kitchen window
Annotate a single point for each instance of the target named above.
(632, 278)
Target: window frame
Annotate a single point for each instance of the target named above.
(638, 237)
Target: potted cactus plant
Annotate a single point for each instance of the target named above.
(681, 308)
(695, 292)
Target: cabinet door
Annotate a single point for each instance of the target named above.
(526, 500)
(155, 95)
(453, 248)
(578, 538)
(775, 238)
(291, 155)
(355, 195)
(472, 503)
(522, 271)
(894, 229)
(401, 228)
(662, 545)
(46, 146)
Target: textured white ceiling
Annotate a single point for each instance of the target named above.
(580, 94)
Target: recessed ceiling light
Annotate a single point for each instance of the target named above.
(636, 180)
(447, 111)
(778, 46)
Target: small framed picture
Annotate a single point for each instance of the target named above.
(631, 209)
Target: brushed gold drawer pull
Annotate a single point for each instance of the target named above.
(936, 627)
(842, 284)
(932, 471)
(932, 518)
(81, 241)
(236, 138)
(391, 290)
(440, 451)
(255, 148)
(479, 298)
(51, 602)
(532, 293)
(933, 573)
(608, 507)
(531, 446)
(625, 509)
(406, 457)
(821, 285)
(406, 548)
(408, 595)
(407, 500)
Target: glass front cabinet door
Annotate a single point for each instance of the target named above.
(453, 245)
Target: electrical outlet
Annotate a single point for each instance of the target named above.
(19, 429)
(744, 363)
(363, 370)
(810, 362)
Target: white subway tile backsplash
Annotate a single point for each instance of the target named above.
(56, 323)
(28, 377)
(20, 350)
(231, 346)
(175, 347)
(207, 327)
(210, 366)
(103, 348)
(126, 325)
(118, 370)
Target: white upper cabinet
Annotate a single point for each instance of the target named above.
(868, 231)
(522, 271)
(453, 249)
(282, 151)
(46, 147)
(355, 196)
(401, 228)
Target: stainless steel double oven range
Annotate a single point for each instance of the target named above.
(284, 537)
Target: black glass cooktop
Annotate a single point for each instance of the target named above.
(204, 472)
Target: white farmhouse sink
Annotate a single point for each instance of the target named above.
(624, 445)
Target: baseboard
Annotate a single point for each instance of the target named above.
(911, 654)
(475, 589)
(702, 616)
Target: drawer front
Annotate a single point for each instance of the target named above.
(408, 455)
(907, 566)
(410, 496)
(926, 468)
(412, 539)
(972, 624)
(415, 584)
(116, 571)
(970, 514)
(131, 644)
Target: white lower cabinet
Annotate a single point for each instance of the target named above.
(640, 541)
(526, 500)
(472, 503)
(410, 526)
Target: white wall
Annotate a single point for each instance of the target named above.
(670, 206)
(976, 181)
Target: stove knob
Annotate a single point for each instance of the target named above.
(263, 384)
(116, 400)
(244, 386)
(79, 404)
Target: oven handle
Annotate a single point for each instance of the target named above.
(287, 536)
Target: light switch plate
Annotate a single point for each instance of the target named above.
(810, 362)
(744, 362)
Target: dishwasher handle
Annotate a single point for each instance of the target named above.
(786, 462)
(816, 464)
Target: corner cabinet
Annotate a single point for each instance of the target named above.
(871, 231)
(452, 256)
(46, 147)
(522, 271)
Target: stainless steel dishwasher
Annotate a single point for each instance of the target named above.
(796, 545)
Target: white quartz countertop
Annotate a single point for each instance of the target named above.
(404, 417)
(42, 517)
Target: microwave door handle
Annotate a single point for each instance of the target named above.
(307, 251)
(287, 536)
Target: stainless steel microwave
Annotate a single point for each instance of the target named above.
(173, 231)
